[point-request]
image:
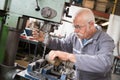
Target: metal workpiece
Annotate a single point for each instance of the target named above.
(55, 62)
(42, 69)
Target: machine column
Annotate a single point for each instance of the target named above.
(11, 47)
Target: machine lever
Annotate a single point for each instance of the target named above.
(66, 12)
(37, 6)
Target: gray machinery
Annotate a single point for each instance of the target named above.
(15, 14)
(42, 70)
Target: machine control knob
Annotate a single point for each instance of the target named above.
(48, 12)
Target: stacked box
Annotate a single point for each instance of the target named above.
(102, 1)
(88, 3)
(101, 6)
(117, 9)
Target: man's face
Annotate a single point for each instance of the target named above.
(82, 28)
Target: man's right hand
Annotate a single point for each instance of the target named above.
(38, 35)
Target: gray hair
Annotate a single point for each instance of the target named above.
(88, 14)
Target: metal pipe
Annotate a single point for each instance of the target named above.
(11, 47)
(114, 7)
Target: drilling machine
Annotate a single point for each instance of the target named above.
(13, 17)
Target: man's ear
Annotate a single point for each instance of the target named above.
(91, 23)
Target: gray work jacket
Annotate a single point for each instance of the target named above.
(93, 59)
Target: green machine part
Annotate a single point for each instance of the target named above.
(16, 12)
(3, 38)
(47, 8)
(4, 7)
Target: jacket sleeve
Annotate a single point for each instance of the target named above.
(63, 44)
(101, 61)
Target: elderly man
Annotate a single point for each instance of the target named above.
(89, 48)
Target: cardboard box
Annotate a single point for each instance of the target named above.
(88, 4)
(117, 10)
(101, 6)
(102, 1)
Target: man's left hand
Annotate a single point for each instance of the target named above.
(60, 54)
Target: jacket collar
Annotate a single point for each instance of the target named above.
(97, 34)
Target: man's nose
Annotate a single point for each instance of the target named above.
(76, 30)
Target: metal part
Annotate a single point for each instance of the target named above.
(37, 6)
(7, 72)
(28, 8)
(3, 38)
(46, 28)
(55, 62)
(48, 71)
(12, 40)
(3, 4)
(1, 26)
(11, 48)
(48, 12)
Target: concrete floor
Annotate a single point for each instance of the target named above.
(115, 77)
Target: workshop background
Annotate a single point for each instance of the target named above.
(20, 52)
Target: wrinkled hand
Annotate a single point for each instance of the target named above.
(60, 54)
(38, 35)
